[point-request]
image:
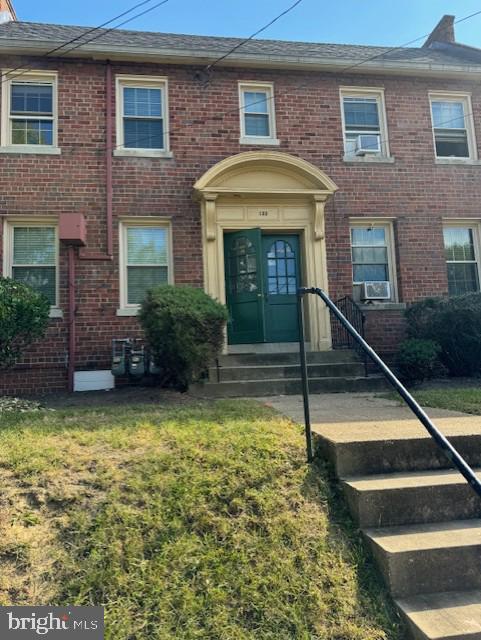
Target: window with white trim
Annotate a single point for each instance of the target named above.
(364, 122)
(145, 260)
(142, 114)
(257, 115)
(461, 249)
(372, 253)
(452, 124)
(31, 256)
(29, 109)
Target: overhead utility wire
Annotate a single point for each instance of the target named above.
(6, 76)
(383, 141)
(240, 44)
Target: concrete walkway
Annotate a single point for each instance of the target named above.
(348, 413)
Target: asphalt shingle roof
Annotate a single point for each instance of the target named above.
(207, 45)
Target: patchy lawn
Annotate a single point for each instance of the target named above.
(193, 522)
(467, 399)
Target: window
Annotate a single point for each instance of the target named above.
(452, 126)
(257, 114)
(31, 256)
(29, 110)
(142, 116)
(145, 259)
(372, 254)
(460, 249)
(364, 123)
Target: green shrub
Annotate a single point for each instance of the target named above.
(418, 359)
(184, 328)
(455, 324)
(23, 319)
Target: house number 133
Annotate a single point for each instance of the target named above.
(263, 213)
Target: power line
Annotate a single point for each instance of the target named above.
(210, 66)
(402, 46)
(6, 76)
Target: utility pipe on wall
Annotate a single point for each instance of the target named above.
(108, 173)
(71, 318)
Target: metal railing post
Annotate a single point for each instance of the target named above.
(449, 451)
(305, 378)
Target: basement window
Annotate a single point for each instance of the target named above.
(453, 128)
(146, 260)
(142, 116)
(31, 256)
(29, 112)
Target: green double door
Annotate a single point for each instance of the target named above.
(262, 277)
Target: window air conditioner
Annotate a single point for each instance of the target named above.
(368, 143)
(376, 290)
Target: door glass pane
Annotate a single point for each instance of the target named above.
(281, 266)
(242, 265)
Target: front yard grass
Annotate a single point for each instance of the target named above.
(465, 399)
(199, 522)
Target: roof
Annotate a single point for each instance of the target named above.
(30, 37)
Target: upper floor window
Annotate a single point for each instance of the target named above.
(257, 115)
(372, 251)
(364, 122)
(453, 127)
(31, 256)
(29, 111)
(145, 258)
(461, 246)
(142, 116)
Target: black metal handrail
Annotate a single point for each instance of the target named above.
(449, 451)
(341, 338)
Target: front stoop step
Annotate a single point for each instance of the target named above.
(244, 375)
(419, 517)
(424, 558)
(443, 616)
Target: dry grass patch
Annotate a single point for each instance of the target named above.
(190, 523)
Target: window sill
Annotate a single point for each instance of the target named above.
(369, 159)
(457, 161)
(142, 153)
(32, 149)
(55, 312)
(270, 142)
(128, 312)
(384, 306)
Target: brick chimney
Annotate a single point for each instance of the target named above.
(7, 12)
(442, 32)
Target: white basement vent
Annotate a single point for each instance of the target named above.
(93, 380)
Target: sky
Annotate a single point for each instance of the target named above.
(371, 22)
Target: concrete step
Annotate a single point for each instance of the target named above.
(411, 498)
(282, 371)
(426, 558)
(455, 615)
(286, 358)
(384, 447)
(257, 388)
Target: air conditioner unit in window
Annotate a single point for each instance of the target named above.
(368, 143)
(376, 290)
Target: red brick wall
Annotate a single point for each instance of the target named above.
(414, 190)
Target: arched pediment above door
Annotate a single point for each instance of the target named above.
(265, 172)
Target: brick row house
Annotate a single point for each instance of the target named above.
(130, 161)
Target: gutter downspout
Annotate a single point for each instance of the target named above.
(108, 173)
(71, 318)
